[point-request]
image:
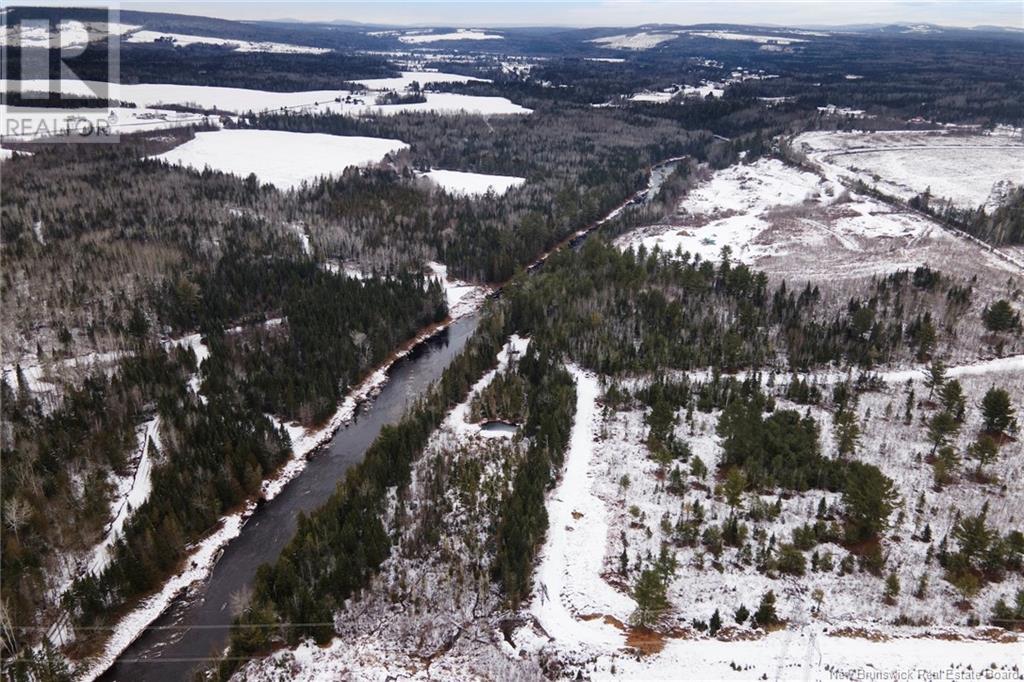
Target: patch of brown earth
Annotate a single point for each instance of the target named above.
(645, 641)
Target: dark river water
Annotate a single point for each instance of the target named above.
(196, 628)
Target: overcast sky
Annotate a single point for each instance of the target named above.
(599, 12)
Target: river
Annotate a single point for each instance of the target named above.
(195, 629)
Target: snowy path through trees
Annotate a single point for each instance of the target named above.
(569, 585)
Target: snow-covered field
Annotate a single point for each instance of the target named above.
(971, 170)
(68, 33)
(182, 40)
(24, 123)
(634, 41)
(795, 224)
(422, 77)
(664, 96)
(472, 184)
(241, 100)
(414, 38)
(814, 653)
(746, 37)
(284, 159)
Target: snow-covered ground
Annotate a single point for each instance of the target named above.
(462, 297)
(182, 40)
(26, 123)
(68, 33)
(201, 352)
(634, 41)
(442, 103)
(796, 224)
(422, 77)
(47, 379)
(613, 495)
(570, 598)
(284, 159)
(242, 100)
(458, 421)
(664, 96)
(971, 170)
(416, 642)
(472, 184)
(812, 653)
(746, 37)
(131, 492)
(429, 614)
(460, 34)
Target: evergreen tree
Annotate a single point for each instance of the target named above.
(985, 450)
(651, 602)
(765, 615)
(940, 427)
(892, 588)
(997, 411)
(953, 399)
(935, 376)
(870, 497)
(847, 432)
(715, 624)
(1001, 317)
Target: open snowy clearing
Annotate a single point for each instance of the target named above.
(422, 77)
(472, 184)
(182, 40)
(971, 170)
(797, 225)
(132, 491)
(20, 124)
(460, 34)
(746, 37)
(812, 653)
(665, 96)
(241, 100)
(634, 41)
(67, 33)
(284, 159)
(462, 297)
(570, 599)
